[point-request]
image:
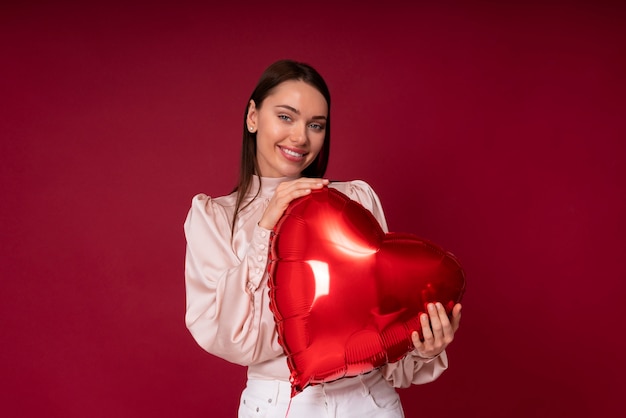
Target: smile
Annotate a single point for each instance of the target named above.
(292, 153)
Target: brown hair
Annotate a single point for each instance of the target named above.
(278, 72)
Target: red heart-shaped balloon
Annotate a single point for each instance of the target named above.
(346, 296)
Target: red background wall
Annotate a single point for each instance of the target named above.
(496, 130)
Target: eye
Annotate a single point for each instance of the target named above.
(284, 117)
(317, 126)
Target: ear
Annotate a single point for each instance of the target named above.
(252, 117)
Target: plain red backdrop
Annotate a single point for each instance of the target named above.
(496, 130)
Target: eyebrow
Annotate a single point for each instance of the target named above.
(297, 112)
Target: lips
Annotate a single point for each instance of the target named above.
(292, 153)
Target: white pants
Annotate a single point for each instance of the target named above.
(363, 396)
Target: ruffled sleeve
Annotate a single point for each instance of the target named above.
(224, 281)
(415, 370)
(411, 369)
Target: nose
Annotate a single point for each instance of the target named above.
(299, 134)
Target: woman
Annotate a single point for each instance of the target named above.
(285, 152)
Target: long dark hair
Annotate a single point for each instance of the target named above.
(278, 72)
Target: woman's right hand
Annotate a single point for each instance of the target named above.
(284, 194)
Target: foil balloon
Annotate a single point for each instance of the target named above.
(345, 295)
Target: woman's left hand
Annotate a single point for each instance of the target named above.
(438, 330)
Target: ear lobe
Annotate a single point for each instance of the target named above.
(251, 118)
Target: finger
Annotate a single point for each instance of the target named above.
(456, 316)
(447, 328)
(304, 182)
(288, 191)
(435, 320)
(417, 343)
(285, 193)
(293, 194)
(442, 315)
(427, 332)
(314, 179)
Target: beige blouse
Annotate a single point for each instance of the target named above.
(226, 280)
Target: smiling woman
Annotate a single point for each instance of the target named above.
(285, 151)
(290, 126)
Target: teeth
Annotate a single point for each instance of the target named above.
(292, 153)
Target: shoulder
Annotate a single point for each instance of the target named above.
(202, 200)
(210, 208)
(358, 190)
(361, 192)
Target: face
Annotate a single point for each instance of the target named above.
(290, 126)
